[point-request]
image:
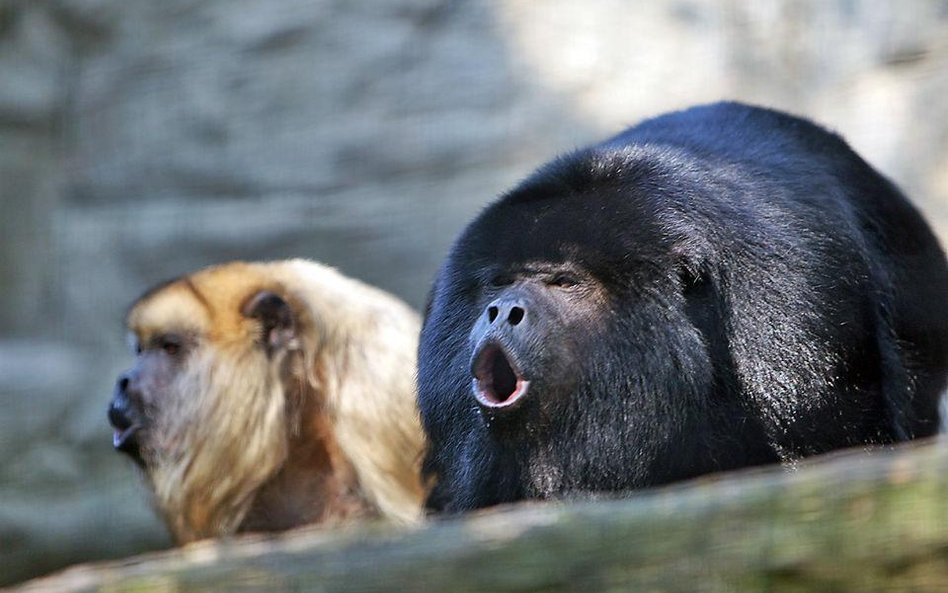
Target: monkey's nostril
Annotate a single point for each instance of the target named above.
(516, 315)
(123, 384)
(491, 314)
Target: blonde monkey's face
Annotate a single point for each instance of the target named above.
(203, 410)
(179, 360)
(145, 386)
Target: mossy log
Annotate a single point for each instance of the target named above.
(858, 521)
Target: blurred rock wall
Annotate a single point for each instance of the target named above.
(140, 140)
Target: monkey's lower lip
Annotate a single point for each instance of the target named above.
(497, 382)
(123, 439)
(126, 441)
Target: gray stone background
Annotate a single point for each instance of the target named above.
(140, 140)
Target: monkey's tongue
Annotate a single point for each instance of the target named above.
(496, 383)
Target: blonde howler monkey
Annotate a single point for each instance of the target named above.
(270, 395)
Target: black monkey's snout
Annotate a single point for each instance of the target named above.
(498, 337)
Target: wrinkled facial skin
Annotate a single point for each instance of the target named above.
(525, 337)
(140, 391)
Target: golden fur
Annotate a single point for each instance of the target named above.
(323, 430)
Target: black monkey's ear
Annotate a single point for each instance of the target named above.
(690, 277)
(278, 329)
(691, 265)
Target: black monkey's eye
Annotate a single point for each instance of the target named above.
(563, 280)
(691, 280)
(501, 280)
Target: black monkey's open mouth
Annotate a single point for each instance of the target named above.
(497, 383)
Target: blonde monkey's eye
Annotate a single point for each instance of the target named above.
(170, 345)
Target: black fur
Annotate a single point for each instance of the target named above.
(740, 288)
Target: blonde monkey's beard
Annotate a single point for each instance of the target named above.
(219, 436)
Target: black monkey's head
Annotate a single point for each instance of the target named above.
(567, 327)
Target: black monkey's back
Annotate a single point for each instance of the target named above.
(901, 248)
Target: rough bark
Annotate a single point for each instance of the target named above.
(854, 521)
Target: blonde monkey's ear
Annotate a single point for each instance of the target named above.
(278, 329)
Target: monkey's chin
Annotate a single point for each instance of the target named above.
(126, 441)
